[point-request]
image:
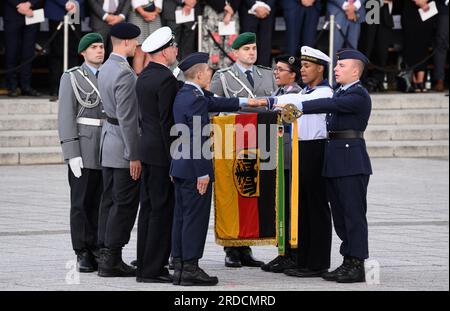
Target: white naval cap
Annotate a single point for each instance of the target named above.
(158, 40)
(314, 55)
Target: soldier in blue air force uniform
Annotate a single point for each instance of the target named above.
(193, 175)
(346, 165)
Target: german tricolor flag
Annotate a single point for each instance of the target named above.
(244, 194)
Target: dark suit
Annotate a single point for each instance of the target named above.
(262, 27)
(347, 166)
(191, 216)
(55, 11)
(184, 34)
(20, 40)
(156, 89)
(301, 24)
(99, 25)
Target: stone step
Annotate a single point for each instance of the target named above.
(407, 132)
(408, 148)
(29, 138)
(30, 155)
(409, 116)
(28, 106)
(28, 122)
(409, 101)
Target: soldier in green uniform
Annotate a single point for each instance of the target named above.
(243, 79)
(80, 118)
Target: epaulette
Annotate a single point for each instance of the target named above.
(264, 67)
(197, 92)
(224, 69)
(72, 69)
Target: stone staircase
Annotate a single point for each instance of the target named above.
(409, 125)
(401, 125)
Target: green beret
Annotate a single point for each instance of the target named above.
(88, 39)
(243, 39)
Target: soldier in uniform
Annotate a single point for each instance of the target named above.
(346, 162)
(314, 230)
(120, 152)
(156, 89)
(80, 119)
(193, 176)
(286, 72)
(243, 79)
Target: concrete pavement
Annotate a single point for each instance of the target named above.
(408, 234)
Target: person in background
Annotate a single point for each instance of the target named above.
(440, 55)
(185, 32)
(258, 17)
(146, 15)
(20, 40)
(214, 12)
(417, 40)
(104, 14)
(302, 17)
(55, 11)
(349, 14)
(375, 41)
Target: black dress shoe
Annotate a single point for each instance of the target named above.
(285, 263)
(267, 266)
(157, 279)
(30, 92)
(305, 273)
(354, 273)
(232, 258)
(86, 262)
(193, 275)
(332, 276)
(247, 258)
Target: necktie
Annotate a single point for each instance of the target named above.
(250, 78)
(281, 91)
(112, 7)
(96, 74)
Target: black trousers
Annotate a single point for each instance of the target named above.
(348, 200)
(155, 221)
(20, 40)
(56, 55)
(118, 209)
(85, 199)
(191, 219)
(314, 225)
(263, 29)
(375, 41)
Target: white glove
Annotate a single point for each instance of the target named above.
(76, 164)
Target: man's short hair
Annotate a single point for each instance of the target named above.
(360, 65)
(192, 72)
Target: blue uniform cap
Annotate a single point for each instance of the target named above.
(352, 54)
(125, 31)
(193, 59)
